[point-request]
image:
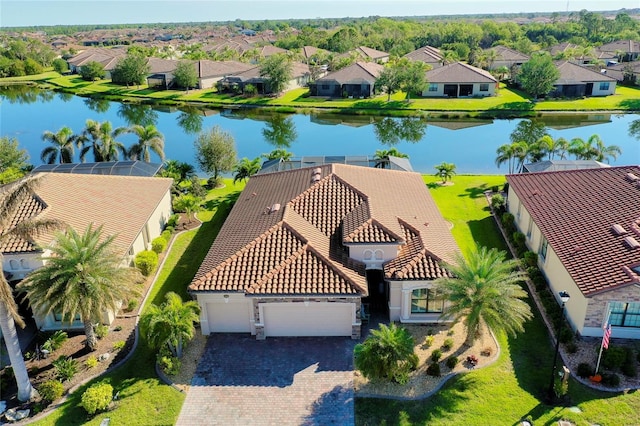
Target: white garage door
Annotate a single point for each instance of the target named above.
(228, 317)
(316, 319)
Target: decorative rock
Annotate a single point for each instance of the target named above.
(13, 415)
(104, 357)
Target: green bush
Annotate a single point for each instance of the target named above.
(585, 370)
(519, 241)
(119, 345)
(102, 331)
(91, 362)
(498, 203)
(173, 220)
(146, 261)
(428, 341)
(452, 361)
(166, 234)
(132, 305)
(51, 390)
(531, 259)
(629, 367)
(436, 355)
(56, 341)
(572, 347)
(613, 357)
(170, 365)
(169, 229)
(97, 397)
(65, 368)
(434, 369)
(566, 334)
(610, 379)
(158, 245)
(447, 345)
(507, 223)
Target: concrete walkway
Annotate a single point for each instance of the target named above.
(277, 381)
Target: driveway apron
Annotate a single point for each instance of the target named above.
(277, 381)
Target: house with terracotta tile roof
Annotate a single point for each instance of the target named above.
(303, 249)
(133, 208)
(585, 227)
(357, 80)
(459, 80)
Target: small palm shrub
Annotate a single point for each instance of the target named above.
(118, 345)
(51, 390)
(65, 368)
(146, 261)
(91, 362)
(434, 369)
(452, 361)
(436, 355)
(447, 345)
(56, 341)
(101, 330)
(428, 341)
(97, 397)
(158, 245)
(388, 353)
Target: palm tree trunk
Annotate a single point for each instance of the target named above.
(8, 326)
(92, 340)
(179, 348)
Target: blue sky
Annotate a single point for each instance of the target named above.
(57, 12)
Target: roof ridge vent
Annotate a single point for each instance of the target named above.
(274, 208)
(618, 229)
(632, 242)
(631, 177)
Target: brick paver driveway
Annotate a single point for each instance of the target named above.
(277, 381)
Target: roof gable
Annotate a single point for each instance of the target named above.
(360, 71)
(459, 72)
(572, 73)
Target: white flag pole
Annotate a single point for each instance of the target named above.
(602, 341)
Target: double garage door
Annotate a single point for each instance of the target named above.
(313, 319)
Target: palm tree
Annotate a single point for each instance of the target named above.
(246, 168)
(12, 198)
(600, 151)
(278, 154)
(448, 56)
(149, 139)
(484, 290)
(103, 143)
(178, 170)
(382, 156)
(62, 146)
(83, 276)
(445, 171)
(171, 323)
(388, 353)
(187, 203)
(506, 154)
(579, 148)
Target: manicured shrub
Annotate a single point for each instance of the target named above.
(610, 379)
(132, 305)
(170, 229)
(173, 220)
(170, 365)
(101, 330)
(436, 355)
(146, 261)
(97, 397)
(51, 390)
(166, 234)
(119, 345)
(213, 183)
(566, 334)
(519, 241)
(498, 203)
(447, 345)
(572, 348)
(65, 368)
(629, 367)
(507, 223)
(452, 361)
(158, 245)
(613, 357)
(428, 341)
(585, 370)
(531, 260)
(91, 362)
(434, 369)
(118, 328)
(486, 351)
(56, 341)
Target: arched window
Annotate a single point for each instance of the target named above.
(368, 255)
(13, 264)
(24, 263)
(378, 254)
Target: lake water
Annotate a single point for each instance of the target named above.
(470, 145)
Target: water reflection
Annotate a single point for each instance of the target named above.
(143, 115)
(21, 94)
(190, 119)
(97, 105)
(65, 97)
(565, 121)
(280, 131)
(391, 131)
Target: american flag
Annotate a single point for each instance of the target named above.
(606, 336)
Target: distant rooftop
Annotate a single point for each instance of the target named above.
(111, 168)
(562, 165)
(279, 165)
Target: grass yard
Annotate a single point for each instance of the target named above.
(513, 387)
(144, 400)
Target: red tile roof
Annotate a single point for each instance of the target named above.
(286, 232)
(575, 210)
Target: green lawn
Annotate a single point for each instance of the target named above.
(507, 100)
(144, 400)
(511, 388)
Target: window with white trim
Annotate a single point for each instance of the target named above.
(530, 228)
(425, 301)
(604, 85)
(625, 314)
(544, 246)
(433, 87)
(484, 87)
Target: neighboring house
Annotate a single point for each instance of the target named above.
(308, 53)
(562, 165)
(585, 227)
(161, 72)
(507, 57)
(133, 208)
(279, 165)
(629, 49)
(578, 81)
(357, 80)
(373, 55)
(459, 80)
(108, 58)
(211, 72)
(427, 54)
(628, 72)
(238, 81)
(302, 249)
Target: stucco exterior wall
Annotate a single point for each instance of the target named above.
(400, 303)
(475, 93)
(373, 255)
(610, 91)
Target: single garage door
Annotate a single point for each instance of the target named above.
(228, 317)
(315, 319)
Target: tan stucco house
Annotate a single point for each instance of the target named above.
(585, 227)
(458, 80)
(133, 208)
(303, 249)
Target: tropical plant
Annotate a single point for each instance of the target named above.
(100, 139)
(82, 276)
(484, 289)
(593, 149)
(634, 129)
(278, 154)
(97, 397)
(189, 204)
(507, 153)
(246, 168)
(388, 353)
(56, 341)
(170, 324)
(445, 171)
(11, 200)
(382, 156)
(215, 151)
(149, 139)
(62, 143)
(178, 170)
(51, 390)
(65, 368)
